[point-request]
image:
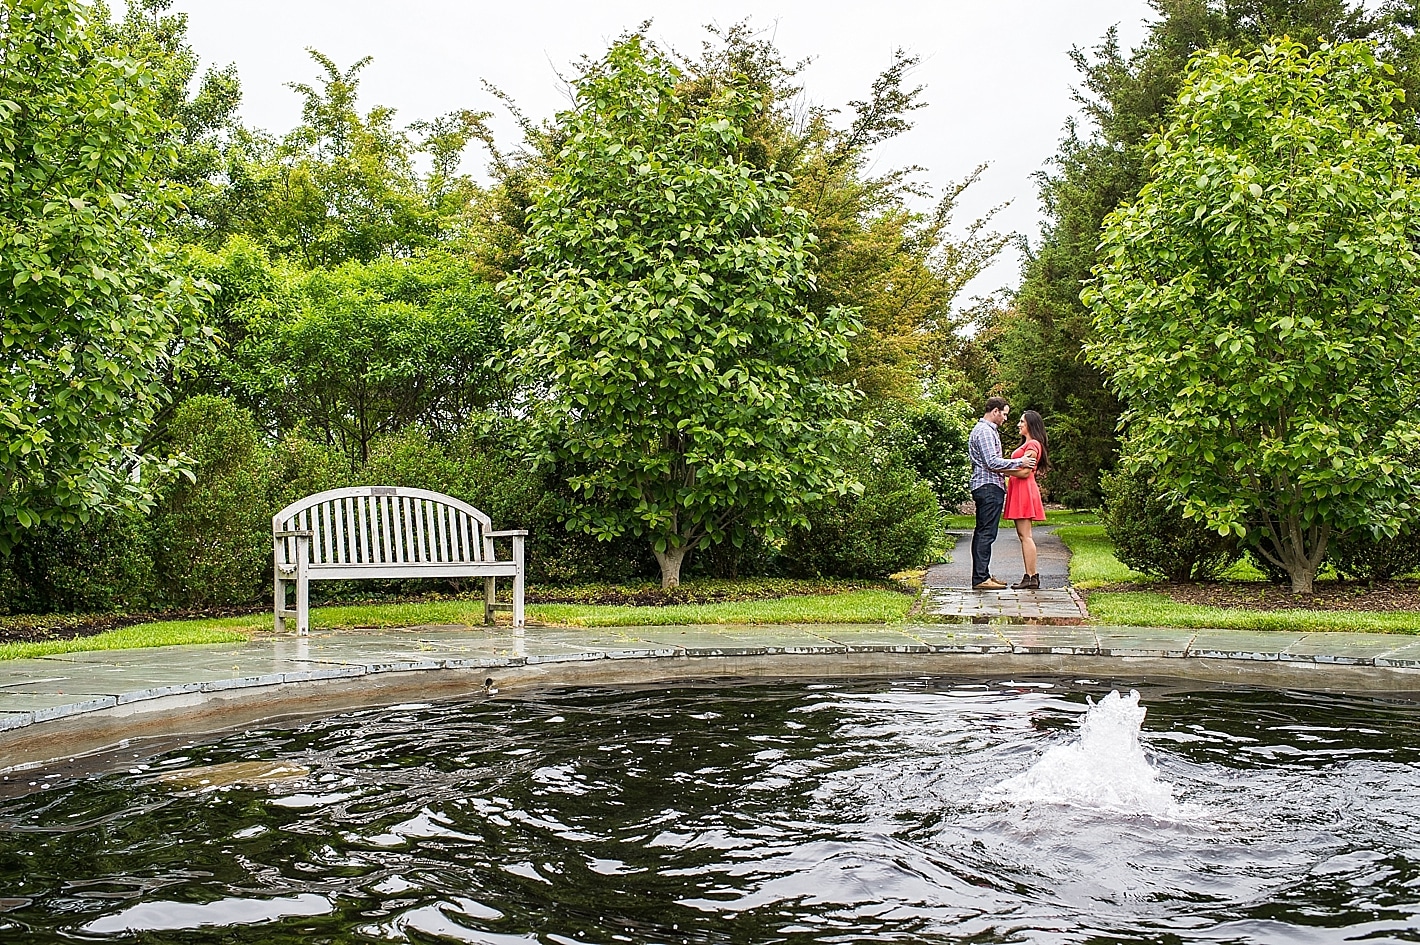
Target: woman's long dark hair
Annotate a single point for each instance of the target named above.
(1035, 426)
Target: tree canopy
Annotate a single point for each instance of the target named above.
(1032, 350)
(1257, 307)
(683, 376)
(95, 308)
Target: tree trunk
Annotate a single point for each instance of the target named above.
(1302, 577)
(670, 561)
(1302, 552)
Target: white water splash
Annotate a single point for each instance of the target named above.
(1105, 769)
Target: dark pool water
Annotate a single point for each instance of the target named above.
(836, 812)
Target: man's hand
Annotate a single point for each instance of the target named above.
(1028, 461)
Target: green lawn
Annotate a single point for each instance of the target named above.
(861, 605)
(130, 638)
(1146, 609)
(1092, 560)
(1093, 565)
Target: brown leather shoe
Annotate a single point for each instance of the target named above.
(990, 584)
(1024, 583)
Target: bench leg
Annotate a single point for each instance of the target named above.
(490, 594)
(280, 601)
(303, 585)
(303, 605)
(519, 579)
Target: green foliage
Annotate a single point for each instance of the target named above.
(931, 438)
(102, 565)
(212, 534)
(358, 351)
(1256, 307)
(203, 111)
(1360, 555)
(343, 186)
(1151, 535)
(93, 311)
(1102, 162)
(663, 298)
(488, 467)
(372, 347)
(894, 525)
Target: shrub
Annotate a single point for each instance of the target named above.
(1360, 556)
(212, 534)
(895, 524)
(486, 466)
(1151, 535)
(755, 557)
(931, 438)
(103, 565)
(300, 467)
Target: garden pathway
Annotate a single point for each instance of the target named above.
(948, 592)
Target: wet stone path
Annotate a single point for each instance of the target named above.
(947, 593)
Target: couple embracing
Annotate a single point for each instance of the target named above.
(1005, 488)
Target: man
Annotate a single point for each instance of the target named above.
(988, 488)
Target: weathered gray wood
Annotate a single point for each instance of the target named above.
(385, 532)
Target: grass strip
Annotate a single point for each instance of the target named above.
(1147, 609)
(862, 606)
(871, 605)
(173, 633)
(1092, 560)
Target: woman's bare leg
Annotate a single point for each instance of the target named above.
(1027, 543)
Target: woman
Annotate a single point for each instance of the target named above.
(1023, 505)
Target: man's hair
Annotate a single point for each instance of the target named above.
(994, 403)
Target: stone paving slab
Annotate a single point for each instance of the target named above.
(1243, 644)
(961, 638)
(1359, 649)
(1056, 606)
(1406, 656)
(1070, 641)
(1143, 641)
(870, 639)
(38, 690)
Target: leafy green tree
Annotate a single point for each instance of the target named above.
(902, 269)
(203, 110)
(682, 377)
(359, 351)
(94, 309)
(1102, 162)
(343, 184)
(1256, 307)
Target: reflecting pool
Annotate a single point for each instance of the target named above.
(926, 810)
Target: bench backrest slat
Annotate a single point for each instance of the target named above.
(328, 550)
(382, 525)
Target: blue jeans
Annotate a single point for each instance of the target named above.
(990, 502)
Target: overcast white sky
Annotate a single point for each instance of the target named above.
(996, 72)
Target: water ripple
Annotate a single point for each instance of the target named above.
(827, 812)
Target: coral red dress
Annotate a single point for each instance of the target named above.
(1023, 495)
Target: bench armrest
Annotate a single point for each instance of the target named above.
(510, 533)
(293, 534)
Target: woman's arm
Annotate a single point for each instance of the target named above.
(1023, 472)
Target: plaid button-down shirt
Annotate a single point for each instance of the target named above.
(987, 464)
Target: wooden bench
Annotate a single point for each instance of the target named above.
(387, 532)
